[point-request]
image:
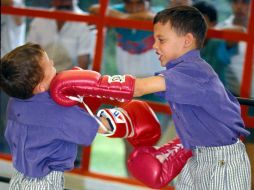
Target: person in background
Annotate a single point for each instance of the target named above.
(67, 43)
(215, 51)
(12, 28)
(134, 54)
(12, 35)
(237, 22)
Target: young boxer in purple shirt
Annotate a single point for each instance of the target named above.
(207, 117)
(43, 135)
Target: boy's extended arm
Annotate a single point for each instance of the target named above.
(149, 85)
(87, 83)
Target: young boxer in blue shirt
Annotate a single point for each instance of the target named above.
(207, 117)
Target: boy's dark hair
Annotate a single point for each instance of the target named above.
(183, 20)
(20, 70)
(207, 9)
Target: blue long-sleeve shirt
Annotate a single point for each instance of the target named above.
(43, 136)
(203, 111)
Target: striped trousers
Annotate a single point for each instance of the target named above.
(52, 181)
(216, 168)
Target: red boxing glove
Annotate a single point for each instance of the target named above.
(68, 85)
(135, 121)
(157, 167)
(92, 103)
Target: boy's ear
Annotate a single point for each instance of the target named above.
(39, 88)
(189, 40)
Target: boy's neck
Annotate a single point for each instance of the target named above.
(188, 50)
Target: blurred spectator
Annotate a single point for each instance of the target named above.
(134, 52)
(12, 35)
(238, 22)
(12, 28)
(134, 48)
(215, 51)
(67, 43)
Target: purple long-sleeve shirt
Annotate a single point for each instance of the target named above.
(203, 111)
(43, 136)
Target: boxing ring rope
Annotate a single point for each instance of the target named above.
(246, 101)
(102, 21)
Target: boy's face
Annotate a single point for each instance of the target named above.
(49, 73)
(168, 45)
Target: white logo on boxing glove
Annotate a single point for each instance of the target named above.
(118, 116)
(116, 78)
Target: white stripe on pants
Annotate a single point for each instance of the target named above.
(216, 168)
(52, 181)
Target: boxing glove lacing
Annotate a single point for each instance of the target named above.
(165, 154)
(80, 99)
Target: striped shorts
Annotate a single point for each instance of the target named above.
(52, 181)
(216, 168)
